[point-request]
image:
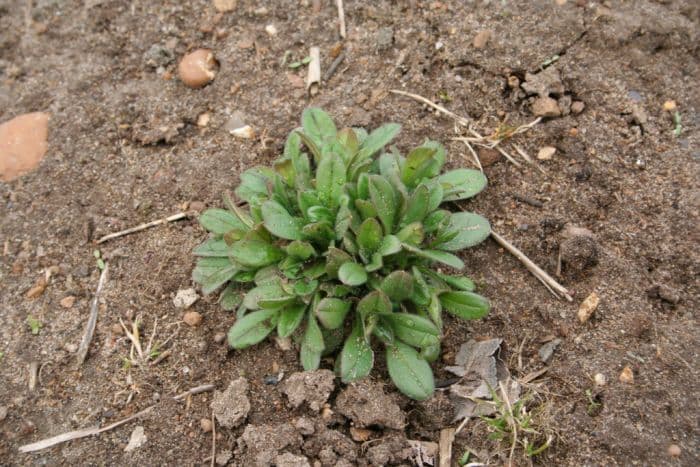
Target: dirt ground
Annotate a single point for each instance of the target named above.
(125, 147)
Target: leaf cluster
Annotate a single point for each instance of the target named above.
(338, 244)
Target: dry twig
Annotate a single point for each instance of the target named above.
(138, 228)
(71, 435)
(447, 436)
(92, 320)
(341, 17)
(313, 78)
(213, 439)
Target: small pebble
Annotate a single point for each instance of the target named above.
(203, 120)
(587, 307)
(627, 376)
(482, 38)
(197, 68)
(37, 290)
(23, 143)
(71, 348)
(360, 434)
(67, 302)
(546, 153)
(600, 379)
(197, 206)
(545, 107)
(225, 5)
(3, 413)
(326, 413)
(206, 425)
(192, 318)
(271, 380)
(489, 156)
(185, 298)
(271, 30)
(674, 450)
(219, 337)
(577, 107)
(670, 106)
(513, 82)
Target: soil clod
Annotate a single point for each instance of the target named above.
(312, 387)
(231, 406)
(366, 404)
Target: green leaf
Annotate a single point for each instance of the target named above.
(410, 373)
(214, 247)
(348, 138)
(352, 274)
(318, 125)
(435, 310)
(230, 298)
(412, 233)
(378, 139)
(417, 207)
(270, 291)
(436, 255)
(320, 213)
(321, 233)
(369, 236)
(279, 222)
(373, 303)
(421, 291)
(365, 208)
(330, 179)
(252, 328)
(458, 282)
(300, 250)
(390, 245)
(220, 221)
(336, 258)
(462, 183)
(471, 229)
(398, 285)
(290, 319)
(430, 353)
(311, 345)
(307, 199)
(384, 200)
(465, 305)
(375, 263)
(435, 194)
(344, 218)
(303, 288)
(331, 312)
(266, 276)
(412, 329)
(417, 165)
(436, 220)
(356, 358)
(211, 273)
(255, 254)
(254, 184)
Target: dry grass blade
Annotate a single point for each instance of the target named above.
(461, 120)
(313, 78)
(138, 228)
(71, 435)
(341, 18)
(447, 436)
(92, 320)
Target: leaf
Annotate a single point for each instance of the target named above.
(435, 310)
(409, 372)
(465, 305)
(319, 232)
(268, 275)
(214, 247)
(335, 259)
(373, 303)
(264, 292)
(303, 288)
(352, 274)
(318, 125)
(330, 179)
(307, 199)
(430, 353)
(331, 312)
(384, 200)
(436, 220)
(365, 208)
(311, 345)
(398, 285)
(412, 329)
(378, 139)
(462, 183)
(369, 236)
(417, 207)
(252, 328)
(300, 250)
(436, 255)
(220, 221)
(230, 298)
(458, 282)
(417, 165)
(290, 319)
(279, 222)
(344, 218)
(211, 273)
(412, 233)
(390, 245)
(471, 229)
(421, 291)
(356, 358)
(253, 184)
(348, 138)
(255, 254)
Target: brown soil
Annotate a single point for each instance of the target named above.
(125, 148)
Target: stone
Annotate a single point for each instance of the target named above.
(489, 156)
(198, 68)
(627, 376)
(231, 406)
(545, 107)
(185, 298)
(588, 306)
(579, 253)
(546, 153)
(547, 350)
(577, 107)
(67, 302)
(365, 403)
(192, 318)
(158, 56)
(600, 379)
(137, 439)
(305, 426)
(545, 83)
(223, 456)
(23, 144)
(482, 38)
(674, 450)
(225, 5)
(312, 387)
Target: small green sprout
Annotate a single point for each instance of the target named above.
(98, 257)
(34, 324)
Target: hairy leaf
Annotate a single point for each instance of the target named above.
(212, 273)
(311, 345)
(331, 312)
(356, 358)
(384, 200)
(398, 285)
(252, 328)
(466, 305)
(410, 373)
(412, 329)
(330, 178)
(290, 318)
(469, 229)
(279, 222)
(220, 221)
(318, 125)
(352, 274)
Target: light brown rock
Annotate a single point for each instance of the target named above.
(67, 302)
(225, 5)
(198, 68)
(192, 318)
(482, 38)
(545, 107)
(489, 156)
(588, 306)
(23, 143)
(546, 153)
(627, 376)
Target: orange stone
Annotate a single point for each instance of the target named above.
(23, 143)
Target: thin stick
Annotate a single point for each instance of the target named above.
(313, 78)
(341, 17)
(462, 425)
(511, 421)
(92, 320)
(334, 66)
(476, 157)
(138, 228)
(213, 439)
(447, 436)
(71, 435)
(461, 120)
(553, 286)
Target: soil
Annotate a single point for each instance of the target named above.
(125, 147)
